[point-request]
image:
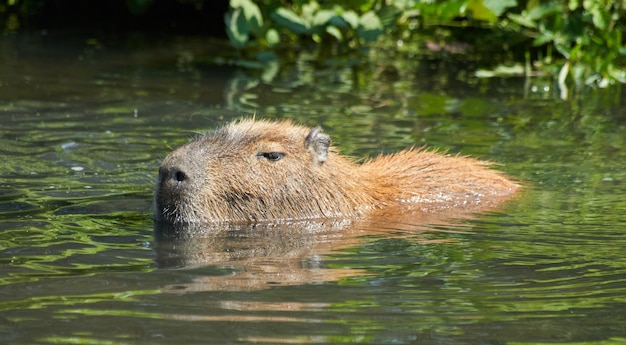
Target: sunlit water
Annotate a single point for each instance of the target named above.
(84, 124)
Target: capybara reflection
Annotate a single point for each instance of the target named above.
(255, 171)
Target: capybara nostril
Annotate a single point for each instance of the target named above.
(174, 174)
(179, 175)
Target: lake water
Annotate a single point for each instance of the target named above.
(84, 123)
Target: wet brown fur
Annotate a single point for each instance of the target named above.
(223, 177)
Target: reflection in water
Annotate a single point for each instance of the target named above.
(274, 256)
(260, 256)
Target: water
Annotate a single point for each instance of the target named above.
(84, 124)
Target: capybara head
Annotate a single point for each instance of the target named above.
(250, 171)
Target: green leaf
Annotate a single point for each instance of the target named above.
(272, 37)
(389, 15)
(335, 32)
(573, 53)
(339, 22)
(236, 28)
(480, 12)
(573, 5)
(321, 18)
(351, 18)
(522, 20)
(450, 10)
(541, 40)
(243, 18)
(370, 27)
(288, 19)
(308, 10)
(617, 74)
(589, 4)
(562, 49)
(252, 13)
(601, 18)
(542, 11)
(499, 6)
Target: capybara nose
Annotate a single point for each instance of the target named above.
(172, 175)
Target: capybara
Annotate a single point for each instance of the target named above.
(253, 171)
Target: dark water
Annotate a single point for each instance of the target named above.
(84, 123)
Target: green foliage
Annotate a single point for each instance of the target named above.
(354, 24)
(587, 34)
(578, 40)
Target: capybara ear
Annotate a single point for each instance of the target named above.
(318, 144)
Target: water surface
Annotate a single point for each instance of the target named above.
(84, 123)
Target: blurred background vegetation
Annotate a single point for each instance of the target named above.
(577, 42)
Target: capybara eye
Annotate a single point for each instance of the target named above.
(272, 156)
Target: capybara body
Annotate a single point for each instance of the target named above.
(254, 171)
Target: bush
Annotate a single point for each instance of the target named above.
(580, 41)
